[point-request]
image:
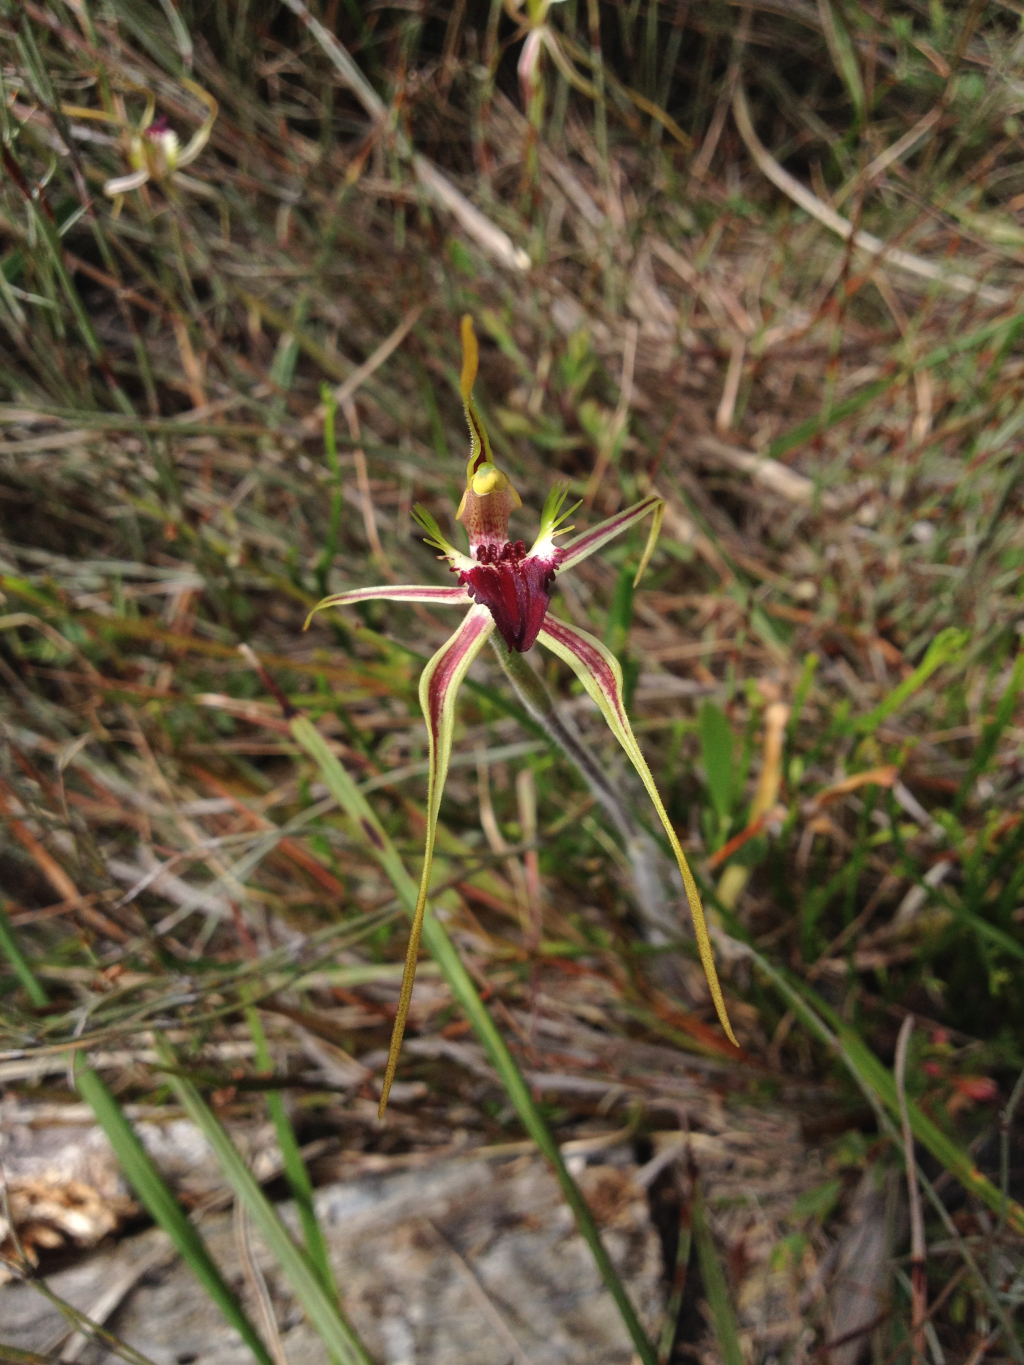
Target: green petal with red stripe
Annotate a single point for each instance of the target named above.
(390, 592)
(599, 672)
(583, 546)
(439, 688)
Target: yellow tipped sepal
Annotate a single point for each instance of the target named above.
(652, 540)
(470, 358)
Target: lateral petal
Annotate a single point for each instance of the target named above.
(387, 592)
(599, 672)
(577, 550)
(439, 687)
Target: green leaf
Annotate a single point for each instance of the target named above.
(11, 949)
(143, 1175)
(947, 646)
(991, 733)
(865, 396)
(878, 1084)
(816, 1203)
(294, 1167)
(843, 53)
(716, 745)
(620, 614)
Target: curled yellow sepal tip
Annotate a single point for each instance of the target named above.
(470, 357)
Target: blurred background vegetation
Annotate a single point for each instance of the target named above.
(764, 257)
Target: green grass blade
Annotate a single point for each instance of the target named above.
(946, 647)
(151, 1188)
(50, 235)
(294, 1167)
(806, 431)
(138, 1166)
(441, 948)
(991, 733)
(878, 1083)
(716, 747)
(722, 1317)
(11, 949)
(843, 53)
(323, 1311)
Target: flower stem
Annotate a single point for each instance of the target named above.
(660, 922)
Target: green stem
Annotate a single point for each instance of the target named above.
(441, 948)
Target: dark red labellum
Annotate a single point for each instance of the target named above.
(514, 588)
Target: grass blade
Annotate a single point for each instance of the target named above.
(722, 1317)
(151, 1188)
(138, 1166)
(294, 1167)
(946, 647)
(878, 1083)
(11, 949)
(323, 1311)
(991, 733)
(716, 746)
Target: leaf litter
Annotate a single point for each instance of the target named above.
(835, 438)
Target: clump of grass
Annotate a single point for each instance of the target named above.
(835, 429)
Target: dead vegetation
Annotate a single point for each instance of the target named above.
(224, 392)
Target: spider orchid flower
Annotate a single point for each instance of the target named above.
(155, 151)
(507, 589)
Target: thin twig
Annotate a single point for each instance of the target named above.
(363, 482)
(358, 377)
(258, 1285)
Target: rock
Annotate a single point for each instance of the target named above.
(474, 1261)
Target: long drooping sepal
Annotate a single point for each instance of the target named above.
(388, 592)
(577, 550)
(439, 687)
(599, 672)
